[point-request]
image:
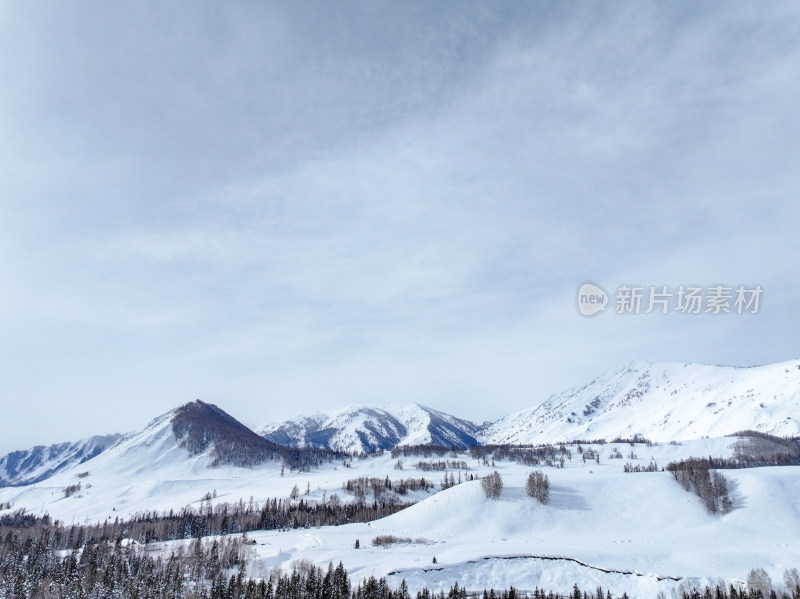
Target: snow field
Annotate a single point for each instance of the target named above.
(642, 528)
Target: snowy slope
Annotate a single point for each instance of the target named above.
(172, 462)
(659, 401)
(372, 427)
(640, 533)
(190, 438)
(635, 523)
(637, 533)
(32, 465)
(663, 402)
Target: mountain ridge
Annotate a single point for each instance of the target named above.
(372, 427)
(200, 427)
(661, 401)
(29, 466)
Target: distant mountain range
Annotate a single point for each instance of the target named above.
(197, 432)
(370, 428)
(33, 465)
(663, 402)
(658, 401)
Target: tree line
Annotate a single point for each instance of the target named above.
(527, 455)
(441, 465)
(362, 486)
(698, 476)
(424, 451)
(33, 568)
(220, 519)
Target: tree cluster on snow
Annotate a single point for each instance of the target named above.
(698, 476)
(651, 467)
(492, 485)
(538, 486)
(70, 490)
(442, 465)
(549, 455)
(378, 487)
(449, 480)
(424, 451)
(758, 586)
(754, 449)
(387, 540)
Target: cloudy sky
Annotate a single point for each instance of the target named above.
(283, 207)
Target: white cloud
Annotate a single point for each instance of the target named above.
(247, 204)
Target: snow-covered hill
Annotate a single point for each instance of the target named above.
(189, 439)
(372, 427)
(639, 533)
(663, 402)
(41, 462)
(170, 463)
(634, 533)
(185, 441)
(658, 401)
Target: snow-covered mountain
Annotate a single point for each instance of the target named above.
(203, 428)
(663, 402)
(372, 427)
(169, 463)
(638, 533)
(659, 401)
(38, 463)
(191, 438)
(197, 432)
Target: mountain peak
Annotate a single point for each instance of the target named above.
(201, 426)
(371, 427)
(662, 401)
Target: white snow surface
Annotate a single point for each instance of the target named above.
(629, 532)
(639, 533)
(663, 402)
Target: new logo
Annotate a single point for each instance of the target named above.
(592, 299)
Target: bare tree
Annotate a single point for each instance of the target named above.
(493, 485)
(538, 486)
(791, 578)
(759, 580)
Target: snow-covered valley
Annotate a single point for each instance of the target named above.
(629, 532)
(638, 533)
